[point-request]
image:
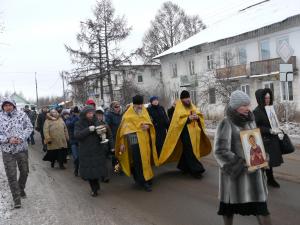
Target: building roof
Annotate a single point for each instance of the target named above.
(245, 20)
(19, 99)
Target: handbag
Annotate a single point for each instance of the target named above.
(286, 146)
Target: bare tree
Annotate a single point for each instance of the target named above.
(218, 81)
(170, 26)
(98, 41)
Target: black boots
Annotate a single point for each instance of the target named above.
(270, 178)
(76, 167)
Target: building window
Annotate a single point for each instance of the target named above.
(210, 62)
(152, 73)
(227, 58)
(174, 69)
(269, 85)
(116, 80)
(246, 89)
(194, 96)
(290, 90)
(212, 95)
(265, 49)
(242, 56)
(191, 67)
(140, 78)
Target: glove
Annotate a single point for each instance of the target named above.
(281, 136)
(275, 132)
(92, 128)
(100, 130)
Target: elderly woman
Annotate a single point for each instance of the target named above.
(56, 138)
(92, 150)
(270, 137)
(241, 192)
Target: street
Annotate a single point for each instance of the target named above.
(57, 197)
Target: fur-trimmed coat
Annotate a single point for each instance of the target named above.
(237, 185)
(56, 133)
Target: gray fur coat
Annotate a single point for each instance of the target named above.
(236, 185)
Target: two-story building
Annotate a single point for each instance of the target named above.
(139, 77)
(242, 52)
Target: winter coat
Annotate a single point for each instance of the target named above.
(113, 120)
(92, 155)
(237, 185)
(32, 116)
(56, 133)
(14, 124)
(40, 122)
(271, 142)
(161, 124)
(70, 123)
(171, 112)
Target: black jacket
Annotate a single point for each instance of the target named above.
(161, 124)
(92, 153)
(271, 142)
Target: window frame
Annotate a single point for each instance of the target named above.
(245, 91)
(239, 55)
(291, 97)
(138, 76)
(260, 49)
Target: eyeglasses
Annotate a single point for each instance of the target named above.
(116, 106)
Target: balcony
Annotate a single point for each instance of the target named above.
(269, 66)
(231, 71)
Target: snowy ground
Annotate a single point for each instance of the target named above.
(293, 128)
(5, 197)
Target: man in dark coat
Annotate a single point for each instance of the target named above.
(160, 121)
(91, 151)
(70, 123)
(32, 116)
(41, 118)
(113, 119)
(270, 137)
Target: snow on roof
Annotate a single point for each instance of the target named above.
(243, 21)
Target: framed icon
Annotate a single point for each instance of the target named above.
(255, 154)
(274, 122)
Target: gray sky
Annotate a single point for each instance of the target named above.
(36, 30)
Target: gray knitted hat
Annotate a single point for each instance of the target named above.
(238, 99)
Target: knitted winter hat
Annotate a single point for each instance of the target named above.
(153, 98)
(238, 99)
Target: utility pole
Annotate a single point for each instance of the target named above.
(63, 83)
(36, 91)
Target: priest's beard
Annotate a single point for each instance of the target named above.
(187, 104)
(138, 111)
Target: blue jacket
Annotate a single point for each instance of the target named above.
(113, 120)
(70, 123)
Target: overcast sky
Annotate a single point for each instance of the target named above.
(36, 30)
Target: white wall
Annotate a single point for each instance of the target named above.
(253, 54)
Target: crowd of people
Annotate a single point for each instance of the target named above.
(137, 138)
